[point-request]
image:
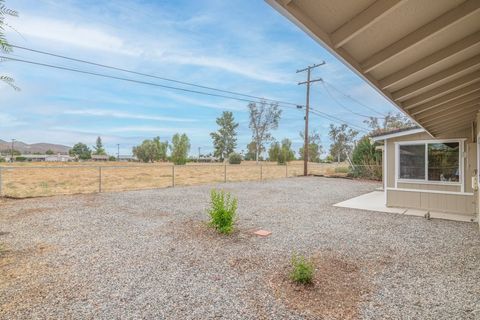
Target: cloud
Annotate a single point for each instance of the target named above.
(7, 120)
(229, 64)
(125, 115)
(71, 33)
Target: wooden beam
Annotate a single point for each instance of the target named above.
(423, 33)
(457, 128)
(438, 56)
(445, 124)
(448, 97)
(443, 89)
(450, 103)
(432, 80)
(451, 115)
(461, 114)
(452, 128)
(447, 110)
(362, 21)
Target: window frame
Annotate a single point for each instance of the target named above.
(425, 180)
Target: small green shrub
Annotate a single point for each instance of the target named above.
(302, 270)
(342, 170)
(234, 158)
(223, 211)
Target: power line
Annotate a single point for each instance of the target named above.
(338, 120)
(152, 76)
(297, 106)
(131, 80)
(342, 105)
(353, 99)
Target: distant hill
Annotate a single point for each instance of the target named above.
(26, 148)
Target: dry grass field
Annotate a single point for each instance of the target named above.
(21, 180)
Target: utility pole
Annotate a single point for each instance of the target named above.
(118, 151)
(199, 148)
(11, 159)
(307, 111)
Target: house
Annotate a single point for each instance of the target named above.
(423, 56)
(99, 157)
(421, 172)
(59, 158)
(127, 158)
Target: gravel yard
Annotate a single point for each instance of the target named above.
(149, 254)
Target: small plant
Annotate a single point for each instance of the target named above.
(341, 169)
(234, 158)
(223, 211)
(302, 270)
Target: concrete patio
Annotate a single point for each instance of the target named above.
(375, 201)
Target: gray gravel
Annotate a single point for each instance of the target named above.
(147, 254)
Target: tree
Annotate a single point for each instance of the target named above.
(161, 149)
(5, 47)
(274, 151)
(315, 148)
(281, 153)
(252, 151)
(180, 148)
(151, 150)
(225, 139)
(263, 119)
(81, 151)
(391, 121)
(99, 150)
(343, 139)
(145, 152)
(366, 160)
(49, 152)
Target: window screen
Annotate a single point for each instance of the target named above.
(443, 162)
(412, 162)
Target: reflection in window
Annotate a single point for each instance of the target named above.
(412, 162)
(443, 162)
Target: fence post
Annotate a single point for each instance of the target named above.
(99, 179)
(173, 176)
(286, 169)
(225, 173)
(1, 182)
(261, 172)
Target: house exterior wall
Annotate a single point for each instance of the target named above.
(434, 196)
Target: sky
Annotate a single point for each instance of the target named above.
(238, 45)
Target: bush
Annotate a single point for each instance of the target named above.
(112, 158)
(367, 161)
(342, 170)
(223, 211)
(234, 158)
(20, 159)
(302, 270)
(2, 159)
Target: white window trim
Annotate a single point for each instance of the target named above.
(461, 160)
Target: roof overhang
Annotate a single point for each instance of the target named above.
(422, 55)
(396, 134)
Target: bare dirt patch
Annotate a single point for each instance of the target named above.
(337, 290)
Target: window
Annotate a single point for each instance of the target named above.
(443, 160)
(412, 161)
(438, 161)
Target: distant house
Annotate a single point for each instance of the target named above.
(59, 158)
(99, 157)
(207, 158)
(40, 158)
(127, 158)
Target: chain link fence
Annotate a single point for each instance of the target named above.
(34, 181)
